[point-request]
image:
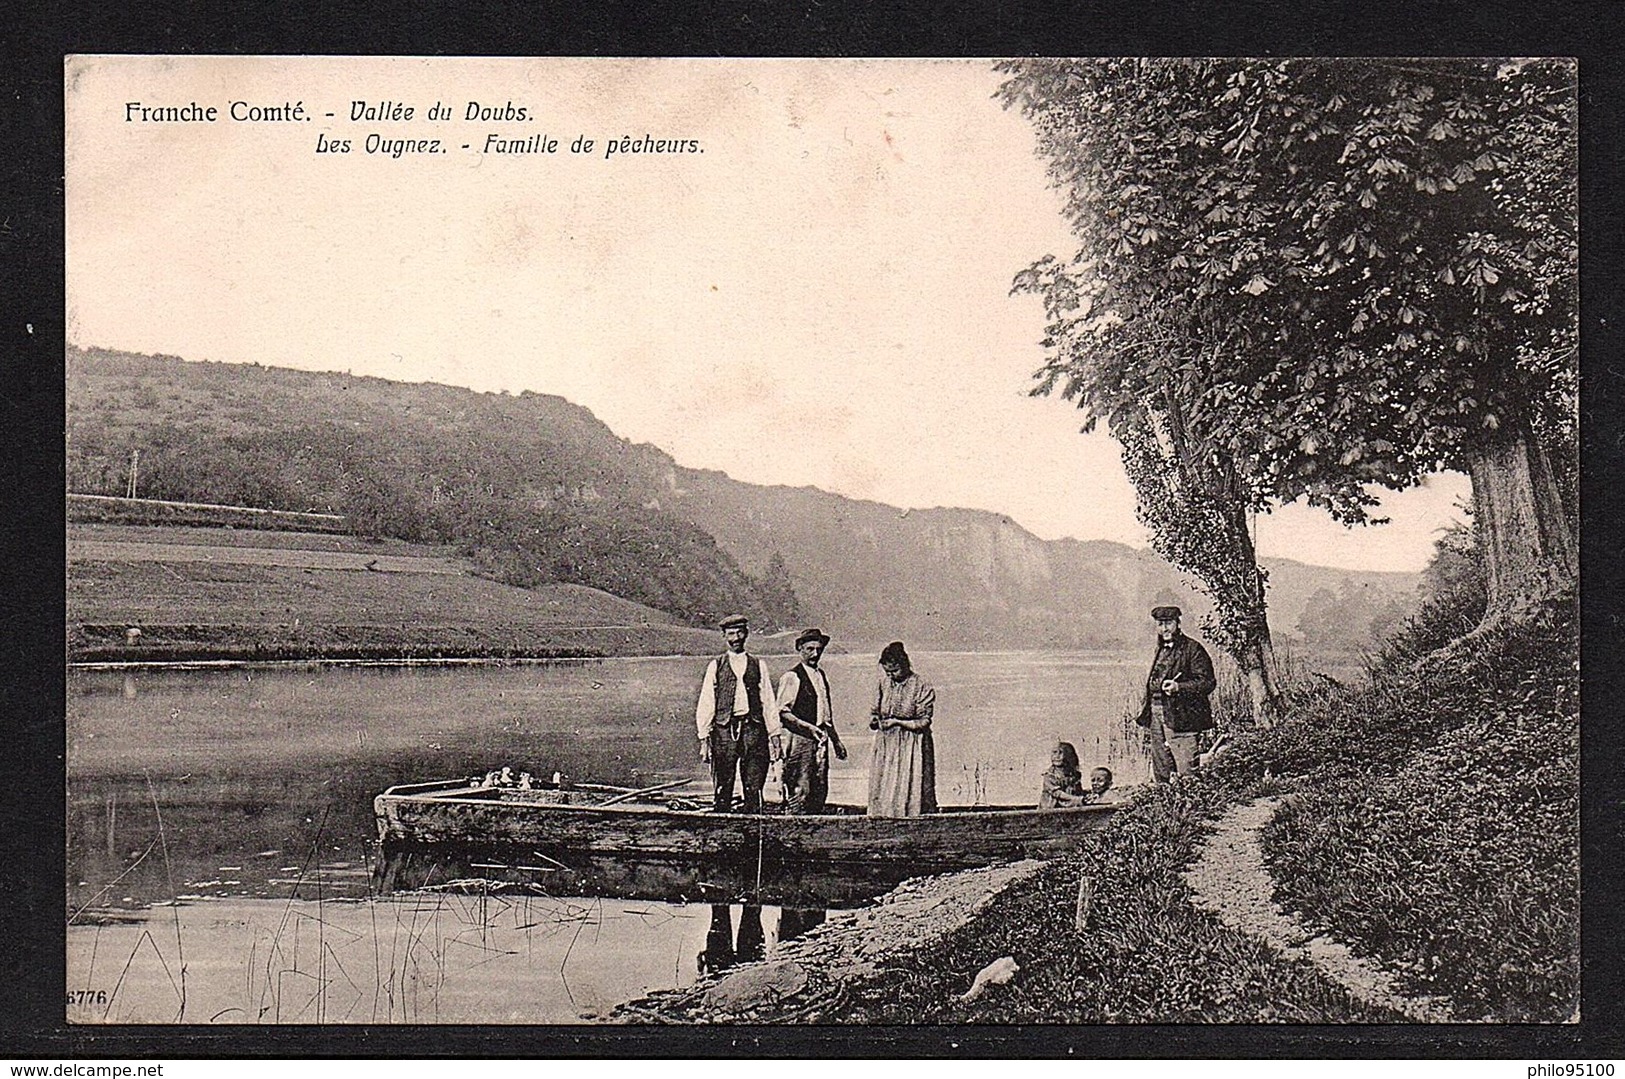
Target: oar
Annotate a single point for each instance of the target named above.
(629, 795)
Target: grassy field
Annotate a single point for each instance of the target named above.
(211, 593)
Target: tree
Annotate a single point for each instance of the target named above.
(1330, 275)
(778, 593)
(1196, 506)
(1357, 616)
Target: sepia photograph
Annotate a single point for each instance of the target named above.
(822, 542)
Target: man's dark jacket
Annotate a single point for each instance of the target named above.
(1188, 711)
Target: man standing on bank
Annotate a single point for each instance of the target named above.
(809, 723)
(736, 719)
(1176, 697)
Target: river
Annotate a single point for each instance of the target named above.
(219, 827)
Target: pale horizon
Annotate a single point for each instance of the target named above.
(835, 266)
(1144, 545)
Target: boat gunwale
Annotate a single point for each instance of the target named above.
(441, 793)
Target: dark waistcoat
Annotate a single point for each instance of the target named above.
(726, 687)
(805, 707)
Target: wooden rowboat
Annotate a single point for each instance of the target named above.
(573, 818)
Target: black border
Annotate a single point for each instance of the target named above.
(33, 329)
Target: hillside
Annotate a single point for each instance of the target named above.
(533, 490)
(972, 578)
(211, 593)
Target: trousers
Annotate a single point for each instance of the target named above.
(806, 776)
(745, 755)
(1172, 752)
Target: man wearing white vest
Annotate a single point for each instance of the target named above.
(736, 719)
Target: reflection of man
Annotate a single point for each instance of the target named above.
(1176, 697)
(752, 939)
(809, 723)
(735, 717)
(794, 921)
(720, 950)
(719, 941)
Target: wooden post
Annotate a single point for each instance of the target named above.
(1086, 901)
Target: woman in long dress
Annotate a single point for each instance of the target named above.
(902, 769)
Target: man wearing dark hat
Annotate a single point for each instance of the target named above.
(735, 718)
(809, 723)
(1176, 697)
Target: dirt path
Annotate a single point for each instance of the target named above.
(805, 979)
(1229, 878)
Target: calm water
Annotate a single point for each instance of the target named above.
(221, 820)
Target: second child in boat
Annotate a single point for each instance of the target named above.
(1063, 783)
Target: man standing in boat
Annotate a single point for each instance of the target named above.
(736, 718)
(1176, 708)
(809, 723)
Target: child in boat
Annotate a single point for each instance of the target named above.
(1063, 783)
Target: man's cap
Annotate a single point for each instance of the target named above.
(734, 620)
(812, 635)
(1165, 614)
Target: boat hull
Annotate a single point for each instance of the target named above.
(956, 837)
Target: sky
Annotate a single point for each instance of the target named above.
(814, 292)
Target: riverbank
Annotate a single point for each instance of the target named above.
(807, 980)
(215, 594)
(1432, 830)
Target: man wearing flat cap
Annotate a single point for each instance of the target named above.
(735, 718)
(809, 724)
(1176, 709)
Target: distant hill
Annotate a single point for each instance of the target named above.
(533, 489)
(970, 578)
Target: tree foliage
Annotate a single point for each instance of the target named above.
(1451, 598)
(1198, 516)
(1356, 615)
(1338, 274)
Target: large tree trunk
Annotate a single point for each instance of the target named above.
(1258, 667)
(1530, 551)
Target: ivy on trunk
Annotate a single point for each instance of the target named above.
(1329, 277)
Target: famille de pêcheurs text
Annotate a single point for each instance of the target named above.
(508, 141)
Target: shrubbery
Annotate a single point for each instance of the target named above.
(1453, 595)
(1460, 867)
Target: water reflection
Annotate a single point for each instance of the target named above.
(719, 953)
(722, 950)
(244, 798)
(778, 883)
(794, 921)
